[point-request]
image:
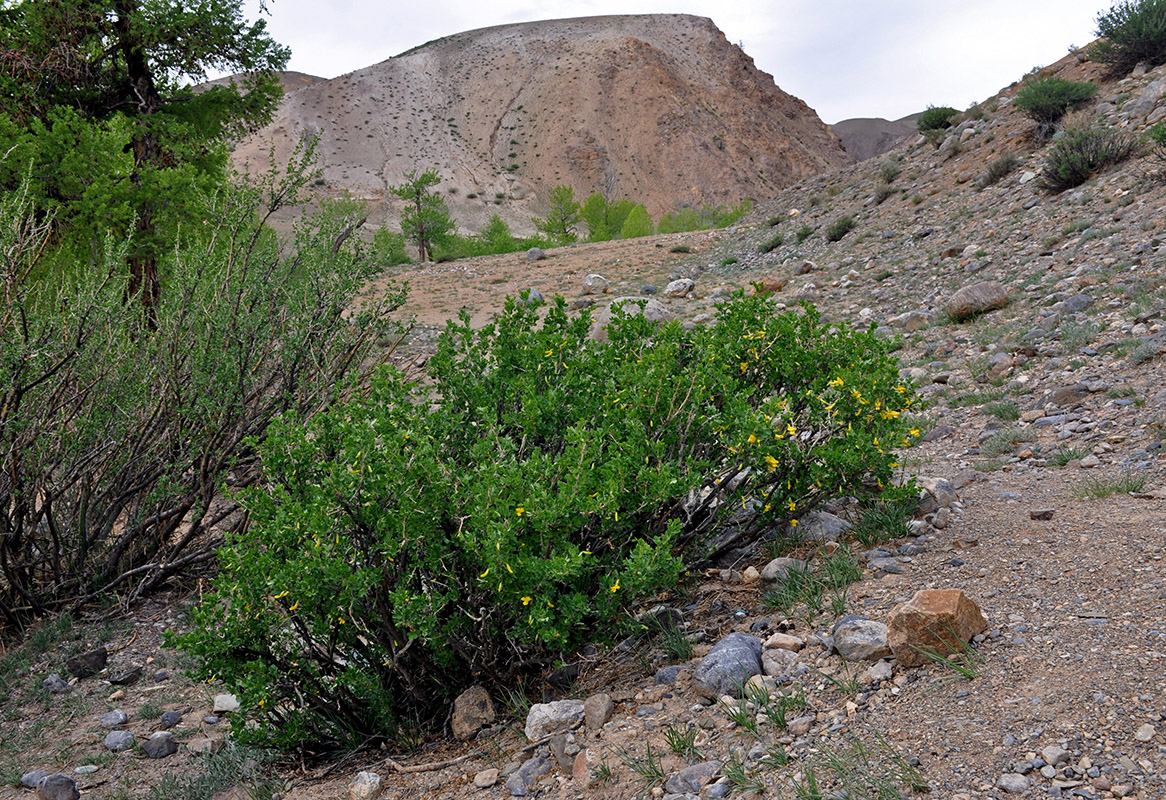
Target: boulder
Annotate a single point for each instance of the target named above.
(818, 526)
(87, 664)
(118, 741)
(111, 719)
(55, 684)
(545, 719)
(535, 254)
(596, 284)
(693, 778)
(365, 786)
(861, 639)
(472, 711)
(523, 779)
(29, 780)
(57, 787)
(976, 299)
(650, 309)
(732, 661)
(160, 745)
(938, 620)
(777, 570)
(531, 297)
(597, 710)
(679, 287)
(226, 704)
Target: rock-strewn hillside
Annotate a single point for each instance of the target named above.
(659, 108)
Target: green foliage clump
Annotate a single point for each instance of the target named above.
(564, 214)
(605, 219)
(839, 228)
(116, 441)
(425, 219)
(772, 243)
(998, 170)
(935, 118)
(1156, 137)
(1082, 153)
(703, 218)
(1045, 101)
(493, 239)
(1132, 32)
(805, 232)
(402, 546)
(637, 223)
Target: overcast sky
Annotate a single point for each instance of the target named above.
(845, 58)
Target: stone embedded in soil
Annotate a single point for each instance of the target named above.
(111, 719)
(226, 703)
(536, 254)
(1041, 514)
(545, 719)
(976, 299)
(30, 779)
(595, 284)
(525, 777)
(55, 684)
(778, 663)
(861, 639)
(127, 677)
(365, 786)
(597, 710)
(693, 778)
(472, 710)
(160, 745)
(679, 287)
(937, 620)
(57, 787)
(1013, 783)
(818, 526)
(732, 661)
(784, 641)
(777, 570)
(119, 740)
(90, 663)
(1145, 733)
(169, 720)
(486, 778)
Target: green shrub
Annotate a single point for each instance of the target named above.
(935, 119)
(805, 232)
(1132, 31)
(637, 223)
(1082, 153)
(1156, 138)
(998, 170)
(1045, 101)
(703, 218)
(888, 171)
(118, 436)
(839, 228)
(680, 248)
(401, 547)
(882, 192)
(772, 243)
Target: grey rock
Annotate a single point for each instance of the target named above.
(1055, 755)
(118, 741)
(127, 677)
(525, 777)
(87, 664)
(679, 287)
(648, 289)
(732, 661)
(111, 719)
(365, 786)
(531, 297)
(535, 254)
(597, 710)
(57, 787)
(777, 570)
(890, 565)
(818, 526)
(29, 780)
(486, 778)
(226, 703)
(1013, 783)
(976, 299)
(693, 779)
(55, 684)
(543, 719)
(777, 663)
(650, 309)
(160, 745)
(666, 676)
(861, 639)
(169, 720)
(1078, 302)
(595, 284)
(211, 719)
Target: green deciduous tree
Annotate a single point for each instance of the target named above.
(564, 214)
(127, 68)
(1132, 31)
(637, 223)
(604, 218)
(425, 220)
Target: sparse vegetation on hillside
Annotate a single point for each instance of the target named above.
(1047, 100)
(1133, 32)
(998, 170)
(1083, 153)
(398, 548)
(935, 118)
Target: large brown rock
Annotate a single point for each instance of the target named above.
(938, 620)
(976, 299)
(472, 711)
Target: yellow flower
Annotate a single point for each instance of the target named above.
(793, 523)
(509, 569)
(791, 429)
(294, 606)
(915, 432)
(752, 439)
(615, 586)
(771, 462)
(526, 601)
(835, 382)
(792, 505)
(889, 414)
(340, 620)
(484, 574)
(549, 353)
(520, 511)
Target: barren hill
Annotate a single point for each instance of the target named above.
(865, 137)
(659, 108)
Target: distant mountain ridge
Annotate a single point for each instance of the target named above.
(868, 137)
(659, 108)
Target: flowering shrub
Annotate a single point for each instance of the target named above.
(480, 528)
